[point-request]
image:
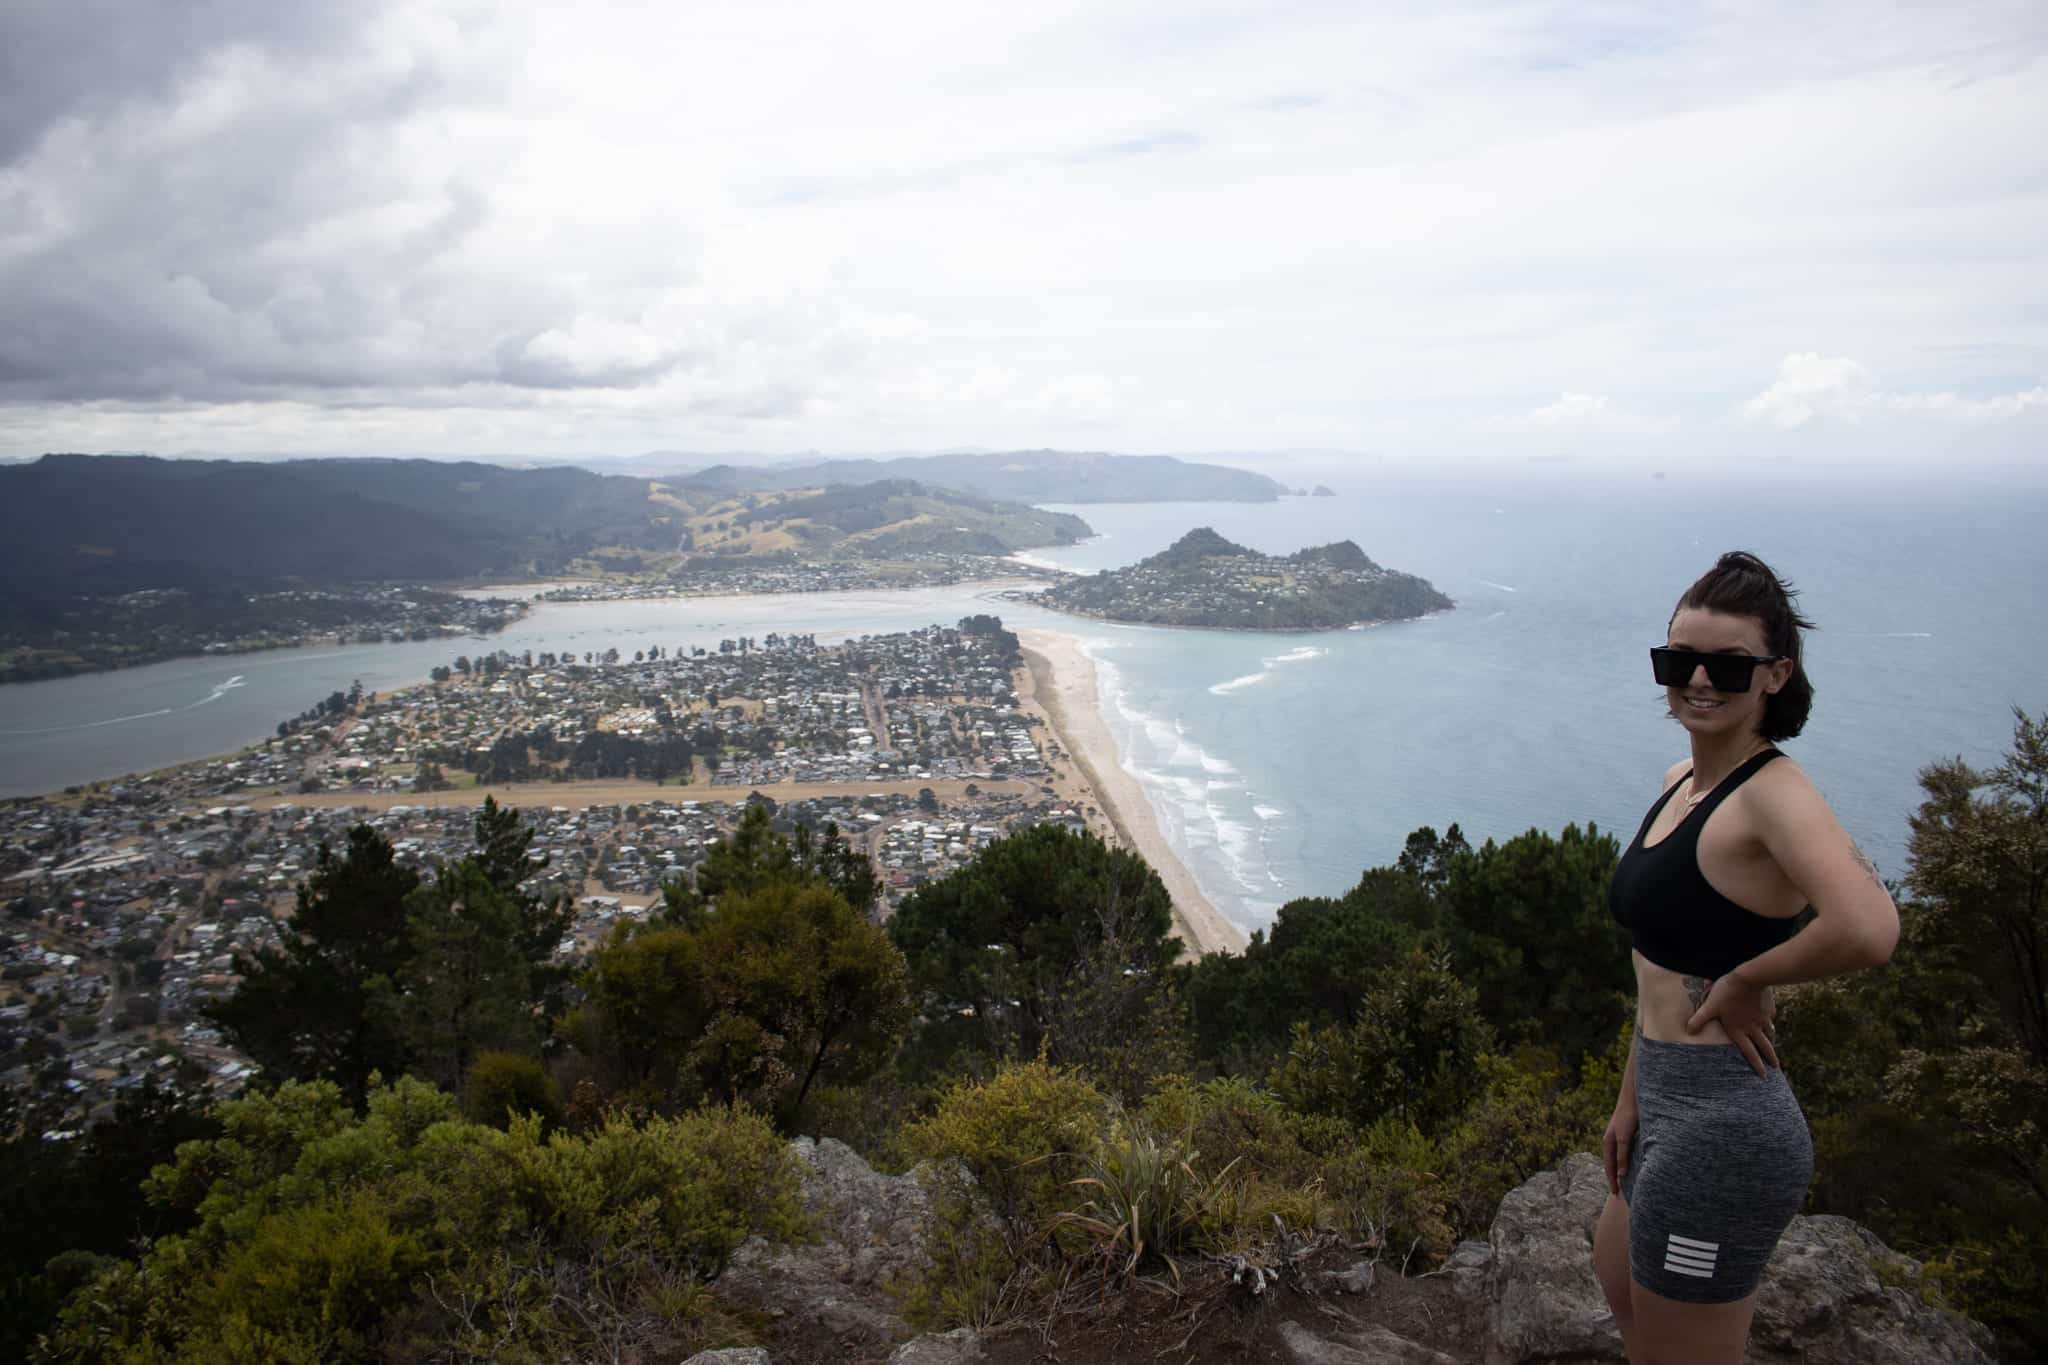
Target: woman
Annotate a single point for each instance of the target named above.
(1707, 1153)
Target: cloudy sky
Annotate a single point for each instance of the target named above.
(1441, 230)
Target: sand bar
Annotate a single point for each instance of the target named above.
(1060, 684)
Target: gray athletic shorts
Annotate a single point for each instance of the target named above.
(1720, 1163)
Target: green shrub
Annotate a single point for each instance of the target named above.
(1142, 1196)
(974, 1279)
(1020, 1137)
(1258, 1159)
(508, 1083)
(411, 1234)
(1526, 1120)
(1386, 1194)
(312, 1283)
(1410, 1054)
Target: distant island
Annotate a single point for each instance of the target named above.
(1203, 579)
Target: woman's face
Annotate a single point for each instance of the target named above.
(1699, 707)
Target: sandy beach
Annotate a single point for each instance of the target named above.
(1059, 684)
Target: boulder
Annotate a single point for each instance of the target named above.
(1540, 1297)
(878, 1219)
(1832, 1295)
(731, 1355)
(872, 1228)
(1825, 1301)
(961, 1346)
(1357, 1344)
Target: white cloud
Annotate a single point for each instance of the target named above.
(1572, 407)
(443, 225)
(1813, 389)
(1595, 415)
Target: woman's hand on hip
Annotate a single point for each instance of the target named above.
(1744, 1012)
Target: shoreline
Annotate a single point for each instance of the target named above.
(1063, 689)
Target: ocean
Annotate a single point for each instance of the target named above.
(1282, 765)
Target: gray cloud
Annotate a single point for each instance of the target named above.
(249, 202)
(83, 58)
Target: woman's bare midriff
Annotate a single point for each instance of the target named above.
(1665, 1000)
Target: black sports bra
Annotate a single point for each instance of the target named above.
(1675, 918)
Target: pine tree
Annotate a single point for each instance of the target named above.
(308, 1008)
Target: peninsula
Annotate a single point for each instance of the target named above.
(1203, 579)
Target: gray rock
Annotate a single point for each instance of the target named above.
(1822, 1300)
(1466, 1268)
(872, 1228)
(958, 1347)
(878, 1219)
(812, 1285)
(1356, 1344)
(731, 1355)
(1544, 1303)
(1356, 1280)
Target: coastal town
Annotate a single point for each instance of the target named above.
(89, 634)
(126, 902)
(715, 575)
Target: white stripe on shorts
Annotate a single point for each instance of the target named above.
(1688, 1256)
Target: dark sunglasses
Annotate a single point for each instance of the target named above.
(1725, 672)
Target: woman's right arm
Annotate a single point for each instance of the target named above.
(1621, 1129)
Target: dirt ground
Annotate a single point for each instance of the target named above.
(1209, 1322)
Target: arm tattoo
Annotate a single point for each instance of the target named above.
(1868, 866)
(1696, 988)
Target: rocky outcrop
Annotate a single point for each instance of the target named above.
(1539, 1295)
(1833, 1294)
(961, 1346)
(872, 1229)
(1367, 1344)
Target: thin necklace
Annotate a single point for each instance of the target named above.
(1694, 797)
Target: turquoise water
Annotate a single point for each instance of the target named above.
(1285, 764)
(1282, 765)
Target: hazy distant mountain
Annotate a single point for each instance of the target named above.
(72, 524)
(1013, 476)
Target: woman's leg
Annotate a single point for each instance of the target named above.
(1610, 1263)
(1668, 1332)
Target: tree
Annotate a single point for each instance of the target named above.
(1412, 1054)
(756, 856)
(1979, 852)
(786, 986)
(309, 1008)
(1004, 934)
(467, 982)
(1528, 927)
(78, 1197)
(1318, 963)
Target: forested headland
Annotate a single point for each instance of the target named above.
(468, 1148)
